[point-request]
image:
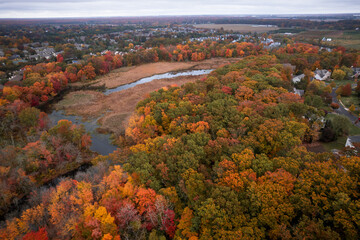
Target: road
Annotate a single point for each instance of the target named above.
(341, 110)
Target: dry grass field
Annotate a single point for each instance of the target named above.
(127, 75)
(115, 109)
(239, 27)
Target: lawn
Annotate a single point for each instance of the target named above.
(340, 142)
(353, 99)
(344, 82)
(353, 130)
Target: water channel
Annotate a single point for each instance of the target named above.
(101, 143)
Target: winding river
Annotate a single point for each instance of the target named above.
(158, 76)
(101, 143)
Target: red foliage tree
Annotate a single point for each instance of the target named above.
(39, 235)
(59, 58)
(227, 90)
(346, 90)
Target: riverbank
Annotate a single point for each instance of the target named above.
(115, 109)
(127, 75)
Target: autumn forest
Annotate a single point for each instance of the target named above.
(239, 153)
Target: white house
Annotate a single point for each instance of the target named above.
(299, 92)
(298, 78)
(322, 74)
(326, 39)
(352, 139)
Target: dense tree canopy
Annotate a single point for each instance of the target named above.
(221, 158)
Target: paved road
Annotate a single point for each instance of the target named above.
(341, 110)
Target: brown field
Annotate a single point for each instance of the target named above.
(117, 107)
(317, 35)
(320, 33)
(126, 75)
(347, 39)
(238, 27)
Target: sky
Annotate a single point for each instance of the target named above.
(100, 8)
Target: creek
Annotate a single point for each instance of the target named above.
(101, 143)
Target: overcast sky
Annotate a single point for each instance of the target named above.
(97, 8)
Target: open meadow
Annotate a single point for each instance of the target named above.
(239, 27)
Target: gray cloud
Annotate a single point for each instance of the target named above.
(94, 8)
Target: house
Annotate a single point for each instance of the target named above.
(356, 72)
(326, 39)
(43, 52)
(325, 49)
(274, 45)
(15, 56)
(34, 57)
(322, 74)
(352, 139)
(299, 92)
(298, 78)
(17, 76)
(288, 65)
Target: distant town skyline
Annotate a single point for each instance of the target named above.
(107, 8)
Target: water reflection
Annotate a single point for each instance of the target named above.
(158, 76)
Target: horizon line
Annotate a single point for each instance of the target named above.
(193, 15)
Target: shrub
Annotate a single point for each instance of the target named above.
(352, 108)
(338, 74)
(334, 105)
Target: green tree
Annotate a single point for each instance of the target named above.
(340, 124)
(29, 117)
